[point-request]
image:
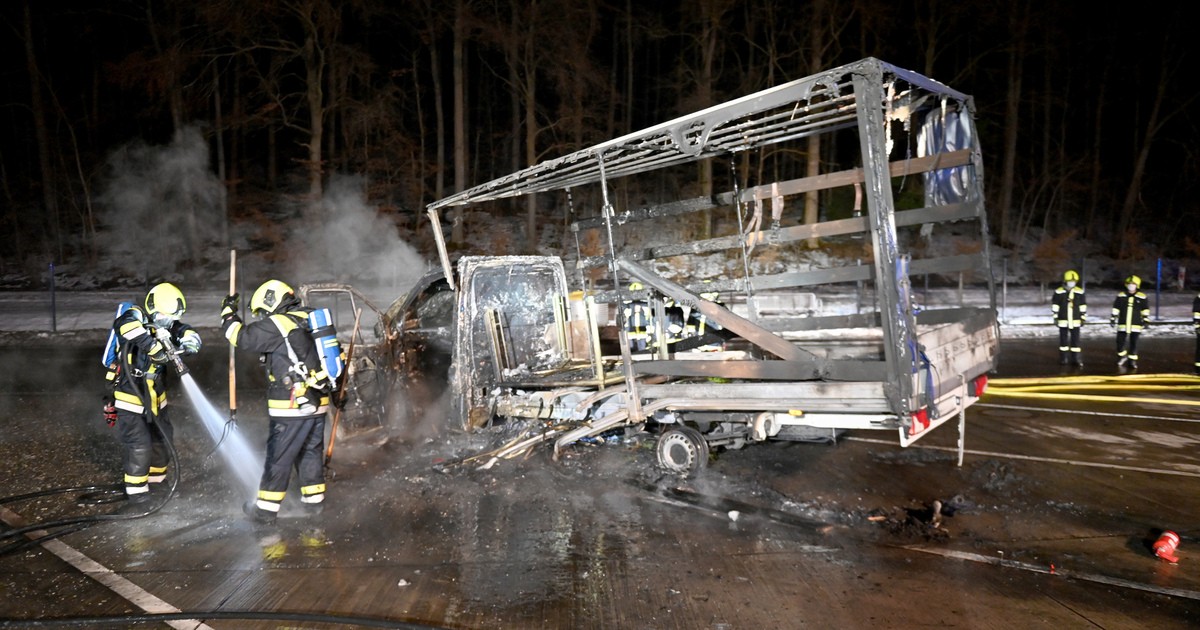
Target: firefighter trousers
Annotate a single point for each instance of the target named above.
(1068, 339)
(298, 443)
(1129, 350)
(144, 455)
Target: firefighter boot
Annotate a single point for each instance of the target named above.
(1062, 357)
(258, 515)
(1077, 359)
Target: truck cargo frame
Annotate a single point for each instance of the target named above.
(528, 350)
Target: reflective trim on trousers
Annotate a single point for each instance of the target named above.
(158, 474)
(312, 494)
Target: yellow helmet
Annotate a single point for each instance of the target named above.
(635, 286)
(165, 303)
(1134, 280)
(1071, 276)
(269, 297)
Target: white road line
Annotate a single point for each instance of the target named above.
(132, 592)
(1084, 413)
(1052, 570)
(1052, 460)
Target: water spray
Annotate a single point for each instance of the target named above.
(231, 444)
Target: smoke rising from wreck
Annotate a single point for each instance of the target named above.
(343, 239)
(162, 207)
(163, 216)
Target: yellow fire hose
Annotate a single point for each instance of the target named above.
(1067, 387)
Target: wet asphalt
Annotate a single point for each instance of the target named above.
(1049, 522)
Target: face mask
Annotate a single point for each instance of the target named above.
(1131, 287)
(163, 320)
(1070, 284)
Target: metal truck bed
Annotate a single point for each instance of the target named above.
(529, 341)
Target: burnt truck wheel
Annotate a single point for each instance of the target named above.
(682, 450)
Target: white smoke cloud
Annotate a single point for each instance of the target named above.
(162, 207)
(343, 239)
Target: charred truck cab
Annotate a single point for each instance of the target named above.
(759, 349)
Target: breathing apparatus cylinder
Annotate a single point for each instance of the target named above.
(110, 348)
(320, 321)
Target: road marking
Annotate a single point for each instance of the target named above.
(1084, 413)
(1052, 570)
(132, 592)
(1032, 458)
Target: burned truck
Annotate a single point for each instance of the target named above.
(707, 312)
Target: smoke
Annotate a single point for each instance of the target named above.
(342, 239)
(162, 207)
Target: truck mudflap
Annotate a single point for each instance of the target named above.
(950, 405)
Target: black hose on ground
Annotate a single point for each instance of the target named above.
(222, 615)
(94, 494)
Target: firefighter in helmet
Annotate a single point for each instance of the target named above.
(1130, 314)
(639, 320)
(297, 394)
(1069, 308)
(1196, 325)
(145, 336)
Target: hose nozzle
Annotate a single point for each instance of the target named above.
(164, 337)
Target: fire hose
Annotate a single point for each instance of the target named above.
(1068, 388)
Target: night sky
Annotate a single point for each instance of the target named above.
(1097, 92)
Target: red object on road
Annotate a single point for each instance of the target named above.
(1165, 546)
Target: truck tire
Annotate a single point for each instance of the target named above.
(682, 450)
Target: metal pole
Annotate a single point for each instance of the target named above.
(1004, 292)
(1157, 289)
(53, 305)
(858, 292)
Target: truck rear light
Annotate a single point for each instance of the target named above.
(920, 421)
(979, 385)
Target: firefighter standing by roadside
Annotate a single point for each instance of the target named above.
(1196, 325)
(1069, 307)
(297, 395)
(137, 375)
(1130, 313)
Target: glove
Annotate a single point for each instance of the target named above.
(229, 306)
(110, 412)
(319, 381)
(190, 344)
(303, 402)
(158, 354)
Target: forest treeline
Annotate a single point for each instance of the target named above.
(1084, 111)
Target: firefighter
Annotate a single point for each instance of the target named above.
(137, 377)
(638, 321)
(1196, 325)
(1130, 313)
(1069, 307)
(297, 395)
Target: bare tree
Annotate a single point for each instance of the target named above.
(1161, 111)
(458, 64)
(42, 133)
(1018, 27)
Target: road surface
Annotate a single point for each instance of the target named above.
(1048, 522)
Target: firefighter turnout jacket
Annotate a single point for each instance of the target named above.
(1130, 311)
(1069, 307)
(294, 369)
(136, 375)
(1196, 313)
